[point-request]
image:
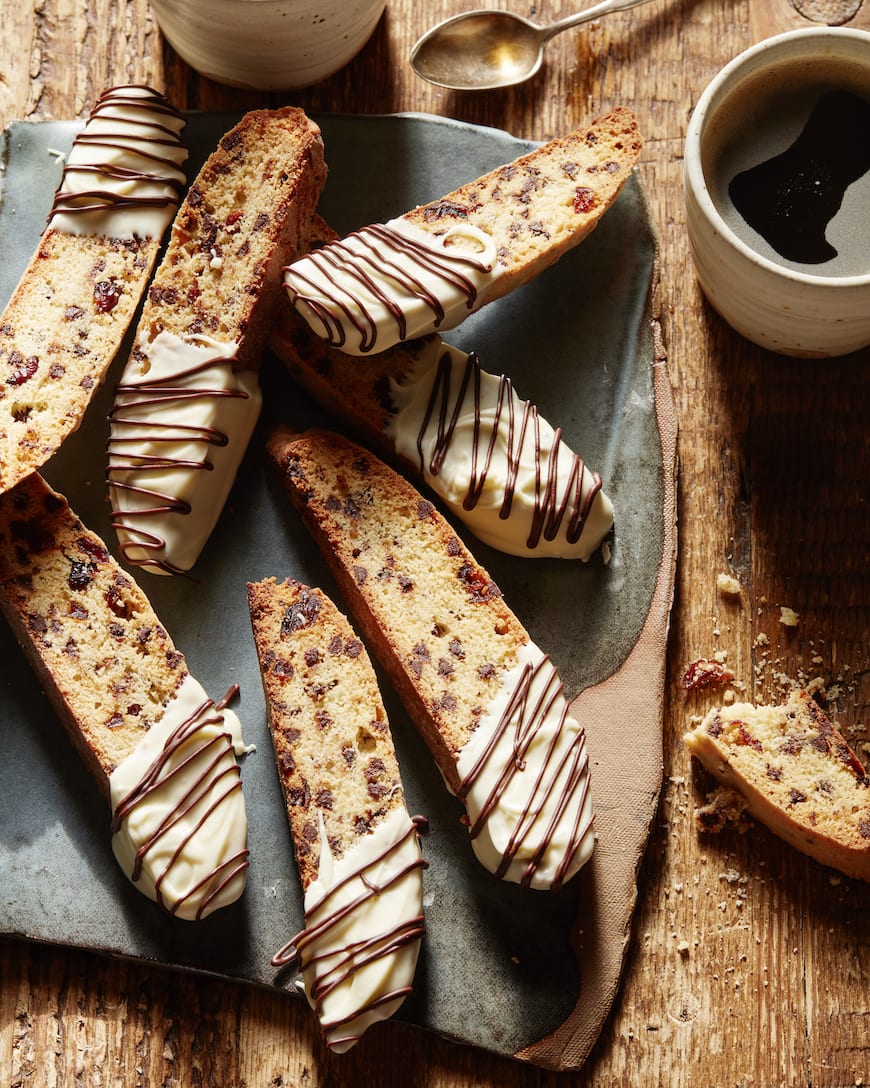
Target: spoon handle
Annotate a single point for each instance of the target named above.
(604, 7)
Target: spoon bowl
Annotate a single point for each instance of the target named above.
(479, 50)
(488, 49)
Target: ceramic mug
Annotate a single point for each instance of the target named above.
(781, 247)
(267, 44)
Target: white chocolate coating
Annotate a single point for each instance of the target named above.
(123, 176)
(525, 780)
(364, 923)
(181, 423)
(180, 828)
(518, 487)
(384, 284)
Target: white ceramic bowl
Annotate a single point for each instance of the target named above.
(791, 308)
(267, 45)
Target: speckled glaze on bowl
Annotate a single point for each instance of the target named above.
(267, 45)
(781, 308)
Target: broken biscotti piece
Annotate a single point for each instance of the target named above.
(357, 849)
(161, 751)
(431, 267)
(488, 702)
(65, 321)
(797, 774)
(189, 397)
(499, 466)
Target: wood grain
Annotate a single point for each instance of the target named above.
(749, 964)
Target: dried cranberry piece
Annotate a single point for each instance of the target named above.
(117, 604)
(584, 200)
(476, 582)
(704, 673)
(444, 208)
(106, 295)
(22, 369)
(81, 574)
(302, 613)
(95, 550)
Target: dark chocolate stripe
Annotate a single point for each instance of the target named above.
(526, 717)
(381, 245)
(146, 146)
(214, 783)
(552, 501)
(354, 957)
(147, 393)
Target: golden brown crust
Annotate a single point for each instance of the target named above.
(432, 615)
(354, 390)
(332, 741)
(102, 656)
(546, 202)
(245, 216)
(797, 773)
(60, 331)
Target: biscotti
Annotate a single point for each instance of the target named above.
(66, 319)
(160, 750)
(491, 457)
(189, 397)
(797, 774)
(488, 702)
(357, 848)
(431, 267)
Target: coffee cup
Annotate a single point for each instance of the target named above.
(267, 44)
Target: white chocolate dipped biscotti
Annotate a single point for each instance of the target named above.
(428, 269)
(357, 849)
(189, 397)
(797, 774)
(488, 702)
(499, 466)
(161, 751)
(66, 319)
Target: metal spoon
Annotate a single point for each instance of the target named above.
(482, 50)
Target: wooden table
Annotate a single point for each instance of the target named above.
(749, 964)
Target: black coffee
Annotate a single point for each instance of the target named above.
(790, 199)
(787, 161)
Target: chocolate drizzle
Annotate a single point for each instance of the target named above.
(215, 777)
(384, 267)
(148, 144)
(523, 718)
(130, 429)
(334, 966)
(552, 500)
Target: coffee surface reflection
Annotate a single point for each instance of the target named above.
(791, 198)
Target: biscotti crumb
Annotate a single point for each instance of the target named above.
(728, 585)
(724, 808)
(705, 673)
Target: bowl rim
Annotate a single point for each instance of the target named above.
(693, 173)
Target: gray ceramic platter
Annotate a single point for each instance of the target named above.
(497, 969)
